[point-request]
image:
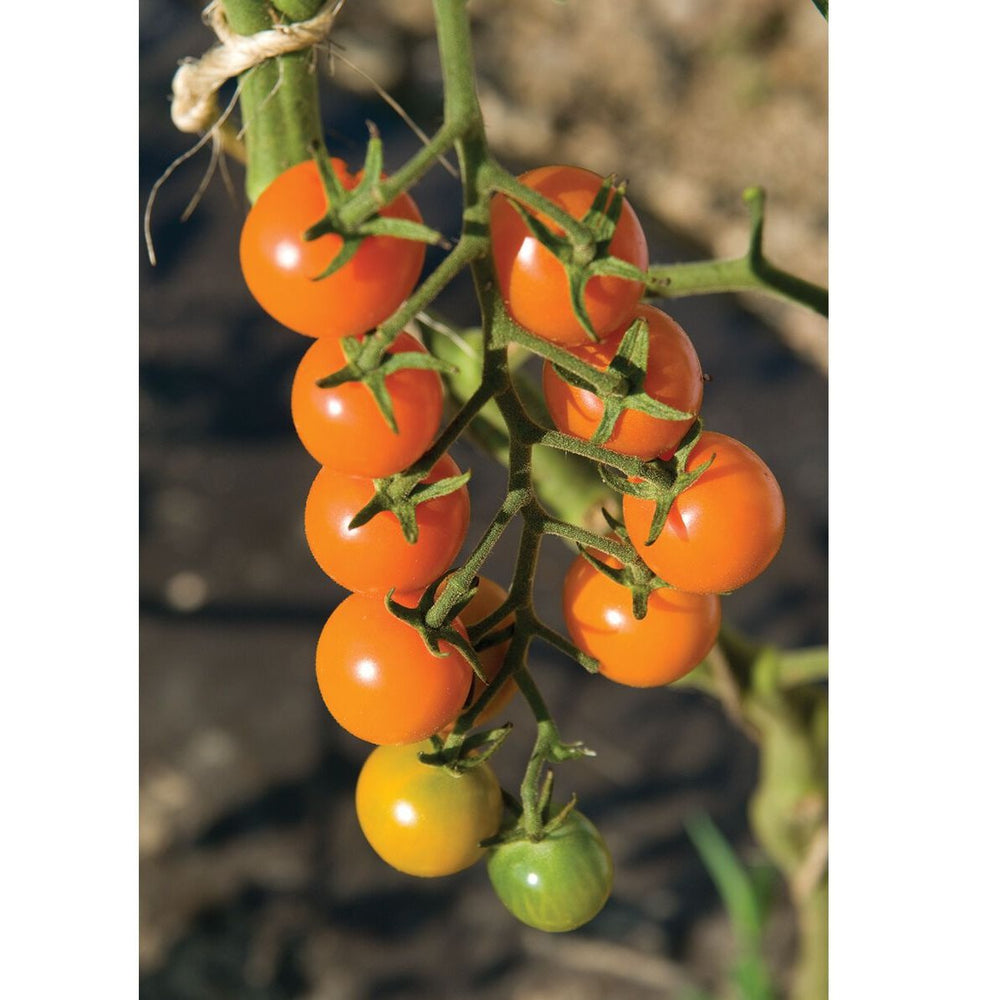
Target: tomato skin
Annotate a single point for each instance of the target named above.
(723, 530)
(376, 557)
(423, 820)
(558, 883)
(533, 282)
(279, 265)
(673, 376)
(343, 428)
(675, 636)
(380, 681)
(488, 598)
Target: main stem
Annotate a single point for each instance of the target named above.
(279, 98)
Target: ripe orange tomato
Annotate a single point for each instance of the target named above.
(673, 376)
(533, 282)
(279, 265)
(376, 556)
(723, 530)
(422, 819)
(675, 636)
(380, 681)
(343, 428)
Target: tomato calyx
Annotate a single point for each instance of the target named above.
(517, 828)
(630, 364)
(401, 494)
(662, 480)
(371, 364)
(416, 617)
(634, 575)
(339, 199)
(590, 258)
(467, 753)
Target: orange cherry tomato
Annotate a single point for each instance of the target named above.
(376, 557)
(533, 282)
(379, 680)
(673, 376)
(280, 266)
(675, 636)
(422, 819)
(723, 530)
(343, 428)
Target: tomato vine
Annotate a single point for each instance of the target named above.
(421, 623)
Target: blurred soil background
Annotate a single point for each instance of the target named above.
(255, 880)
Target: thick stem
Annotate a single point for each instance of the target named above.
(709, 277)
(279, 100)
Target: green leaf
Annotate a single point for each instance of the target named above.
(730, 878)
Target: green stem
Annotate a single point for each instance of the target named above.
(580, 236)
(546, 738)
(737, 275)
(604, 382)
(279, 99)
(628, 464)
(464, 252)
(404, 178)
(622, 551)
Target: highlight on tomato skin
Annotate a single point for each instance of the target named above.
(280, 266)
(343, 428)
(673, 376)
(533, 282)
(676, 634)
(723, 530)
(425, 820)
(379, 680)
(376, 557)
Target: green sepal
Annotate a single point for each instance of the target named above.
(605, 211)
(440, 488)
(350, 247)
(609, 418)
(374, 162)
(380, 392)
(402, 229)
(433, 637)
(578, 278)
(573, 379)
(373, 378)
(560, 817)
(389, 497)
(415, 359)
(615, 267)
(472, 752)
(570, 751)
(337, 197)
(635, 576)
(631, 361)
(555, 244)
(335, 190)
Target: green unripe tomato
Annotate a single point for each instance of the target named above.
(557, 883)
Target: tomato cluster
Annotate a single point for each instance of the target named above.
(387, 678)
(721, 531)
